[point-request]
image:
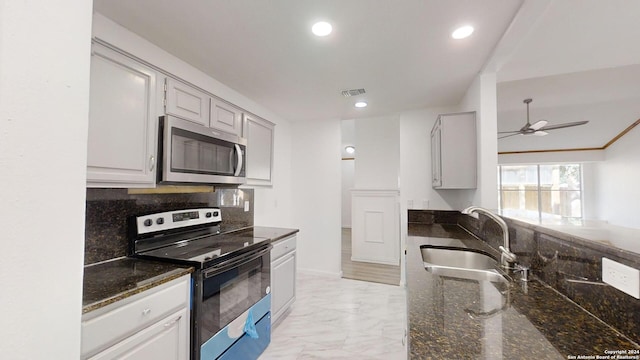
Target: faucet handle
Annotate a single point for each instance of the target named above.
(524, 270)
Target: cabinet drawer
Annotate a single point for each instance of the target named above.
(282, 247)
(121, 319)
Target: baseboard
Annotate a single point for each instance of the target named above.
(320, 273)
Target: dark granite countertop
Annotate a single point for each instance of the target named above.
(273, 233)
(464, 319)
(110, 281)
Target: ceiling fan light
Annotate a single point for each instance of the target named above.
(538, 125)
(540, 133)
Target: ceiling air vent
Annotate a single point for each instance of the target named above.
(352, 92)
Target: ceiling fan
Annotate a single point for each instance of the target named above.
(539, 128)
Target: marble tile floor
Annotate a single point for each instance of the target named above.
(335, 318)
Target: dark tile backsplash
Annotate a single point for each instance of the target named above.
(571, 265)
(107, 211)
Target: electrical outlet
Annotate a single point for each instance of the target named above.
(621, 277)
(246, 205)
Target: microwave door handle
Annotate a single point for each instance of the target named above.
(239, 158)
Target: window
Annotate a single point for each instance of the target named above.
(541, 191)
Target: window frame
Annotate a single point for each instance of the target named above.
(538, 189)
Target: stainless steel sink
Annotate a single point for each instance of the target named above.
(461, 263)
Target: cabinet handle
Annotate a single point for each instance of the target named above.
(173, 321)
(146, 312)
(152, 163)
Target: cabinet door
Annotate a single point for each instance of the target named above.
(122, 121)
(454, 152)
(283, 283)
(436, 179)
(167, 339)
(226, 117)
(186, 102)
(259, 135)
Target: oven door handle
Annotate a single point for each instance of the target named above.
(230, 264)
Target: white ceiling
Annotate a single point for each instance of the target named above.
(575, 61)
(401, 52)
(573, 57)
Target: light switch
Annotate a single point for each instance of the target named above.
(246, 205)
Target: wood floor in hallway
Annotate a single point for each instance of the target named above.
(357, 270)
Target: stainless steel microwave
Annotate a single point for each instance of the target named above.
(193, 153)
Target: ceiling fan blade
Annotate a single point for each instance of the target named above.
(565, 125)
(506, 136)
(538, 125)
(540, 133)
(508, 132)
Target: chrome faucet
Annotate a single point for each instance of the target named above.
(506, 255)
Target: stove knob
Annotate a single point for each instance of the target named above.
(215, 213)
(160, 221)
(148, 222)
(207, 215)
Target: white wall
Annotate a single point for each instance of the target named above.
(273, 205)
(348, 170)
(378, 152)
(415, 163)
(317, 188)
(617, 181)
(44, 107)
(555, 157)
(481, 98)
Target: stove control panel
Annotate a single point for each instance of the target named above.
(177, 219)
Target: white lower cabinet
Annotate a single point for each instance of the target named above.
(162, 340)
(283, 276)
(153, 324)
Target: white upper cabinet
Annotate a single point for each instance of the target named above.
(226, 117)
(454, 151)
(186, 102)
(259, 134)
(122, 121)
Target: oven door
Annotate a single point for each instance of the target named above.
(231, 288)
(192, 153)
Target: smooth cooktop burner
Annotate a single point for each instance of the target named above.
(206, 248)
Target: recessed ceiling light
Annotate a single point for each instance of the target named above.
(462, 32)
(321, 28)
(350, 149)
(361, 104)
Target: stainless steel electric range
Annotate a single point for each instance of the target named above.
(231, 301)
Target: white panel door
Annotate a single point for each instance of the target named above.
(226, 117)
(122, 121)
(260, 134)
(167, 339)
(186, 102)
(283, 284)
(375, 226)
